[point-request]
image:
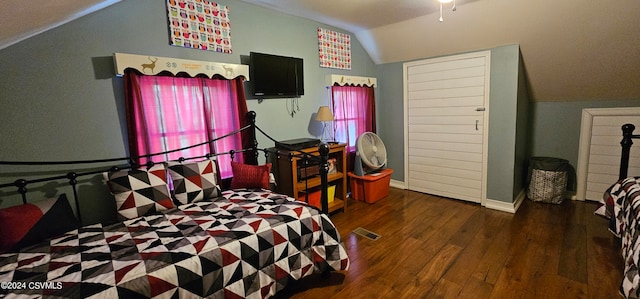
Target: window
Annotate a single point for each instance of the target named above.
(354, 113)
(167, 113)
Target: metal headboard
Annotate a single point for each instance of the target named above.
(627, 142)
(72, 176)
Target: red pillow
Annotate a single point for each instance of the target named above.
(250, 176)
(31, 223)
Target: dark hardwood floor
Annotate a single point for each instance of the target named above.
(433, 247)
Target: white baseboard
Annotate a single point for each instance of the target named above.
(397, 184)
(509, 207)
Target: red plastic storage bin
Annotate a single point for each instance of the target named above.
(370, 187)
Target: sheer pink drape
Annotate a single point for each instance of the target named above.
(354, 110)
(166, 113)
(227, 115)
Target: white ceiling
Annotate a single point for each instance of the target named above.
(572, 49)
(22, 19)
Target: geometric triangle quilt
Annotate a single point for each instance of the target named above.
(245, 244)
(620, 203)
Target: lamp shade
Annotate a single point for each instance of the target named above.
(324, 114)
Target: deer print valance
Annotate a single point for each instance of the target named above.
(152, 65)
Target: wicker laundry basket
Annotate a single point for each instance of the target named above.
(547, 179)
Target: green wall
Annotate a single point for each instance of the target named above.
(390, 110)
(522, 152)
(555, 126)
(519, 128)
(61, 100)
(504, 107)
(503, 112)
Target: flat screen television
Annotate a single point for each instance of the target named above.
(276, 76)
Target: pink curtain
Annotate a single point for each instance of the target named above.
(227, 109)
(354, 110)
(166, 113)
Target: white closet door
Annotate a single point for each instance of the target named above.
(446, 123)
(600, 150)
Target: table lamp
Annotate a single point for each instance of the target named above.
(324, 115)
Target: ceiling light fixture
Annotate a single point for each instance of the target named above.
(453, 8)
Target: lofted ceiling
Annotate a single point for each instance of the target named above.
(573, 50)
(23, 19)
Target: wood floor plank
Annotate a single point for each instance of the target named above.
(574, 254)
(475, 288)
(601, 268)
(475, 249)
(492, 263)
(469, 229)
(428, 277)
(445, 289)
(433, 247)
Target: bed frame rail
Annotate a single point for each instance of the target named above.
(130, 162)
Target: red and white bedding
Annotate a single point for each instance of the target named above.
(621, 204)
(246, 244)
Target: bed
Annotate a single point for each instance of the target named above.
(244, 242)
(621, 205)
